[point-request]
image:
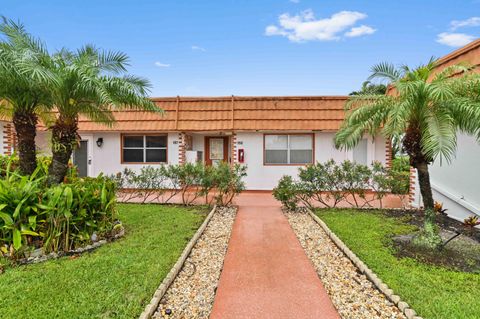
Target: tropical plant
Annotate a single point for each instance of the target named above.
(74, 212)
(426, 108)
(371, 88)
(57, 218)
(25, 82)
(92, 83)
(20, 198)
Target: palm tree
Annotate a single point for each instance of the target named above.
(425, 109)
(91, 83)
(371, 88)
(25, 79)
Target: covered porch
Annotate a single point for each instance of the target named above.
(210, 148)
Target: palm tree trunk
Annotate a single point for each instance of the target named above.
(425, 187)
(418, 160)
(25, 124)
(64, 139)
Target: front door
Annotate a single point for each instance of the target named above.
(80, 158)
(216, 149)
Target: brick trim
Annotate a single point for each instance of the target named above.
(233, 149)
(411, 191)
(8, 139)
(181, 149)
(388, 153)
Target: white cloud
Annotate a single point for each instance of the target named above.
(198, 48)
(454, 39)
(305, 27)
(162, 65)
(470, 22)
(359, 31)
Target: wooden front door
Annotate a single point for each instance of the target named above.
(216, 149)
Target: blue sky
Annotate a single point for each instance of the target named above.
(248, 47)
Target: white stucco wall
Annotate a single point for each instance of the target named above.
(265, 177)
(457, 184)
(107, 159)
(42, 140)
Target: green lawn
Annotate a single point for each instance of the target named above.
(433, 292)
(115, 281)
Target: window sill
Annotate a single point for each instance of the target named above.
(306, 164)
(142, 163)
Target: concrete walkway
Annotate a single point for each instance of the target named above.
(266, 273)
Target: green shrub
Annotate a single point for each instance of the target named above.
(59, 218)
(75, 211)
(330, 184)
(400, 175)
(189, 180)
(10, 163)
(287, 192)
(401, 164)
(228, 182)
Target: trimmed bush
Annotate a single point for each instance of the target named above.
(330, 184)
(218, 184)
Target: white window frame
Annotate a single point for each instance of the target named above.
(287, 149)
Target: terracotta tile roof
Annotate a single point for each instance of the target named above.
(469, 54)
(231, 113)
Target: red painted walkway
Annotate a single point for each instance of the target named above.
(266, 273)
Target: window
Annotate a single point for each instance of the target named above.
(144, 149)
(289, 149)
(360, 152)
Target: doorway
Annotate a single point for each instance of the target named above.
(80, 158)
(216, 149)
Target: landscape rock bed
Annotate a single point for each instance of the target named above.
(192, 292)
(353, 295)
(38, 256)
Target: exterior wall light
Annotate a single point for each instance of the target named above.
(100, 141)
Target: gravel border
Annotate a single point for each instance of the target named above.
(363, 268)
(168, 280)
(192, 293)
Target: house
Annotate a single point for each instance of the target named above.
(273, 136)
(457, 184)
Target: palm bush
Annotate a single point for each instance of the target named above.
(426, 109)
(25, 81)
(92, 83)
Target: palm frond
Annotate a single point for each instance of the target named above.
(385, 71)
(439, 138)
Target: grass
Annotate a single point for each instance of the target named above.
(115, 281)
(434, 292)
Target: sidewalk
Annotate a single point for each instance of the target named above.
(266, 273)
